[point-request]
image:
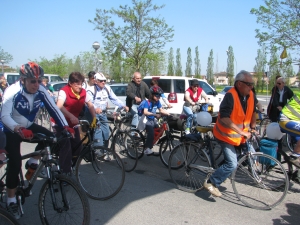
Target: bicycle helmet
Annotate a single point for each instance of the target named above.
(31, 70)
(155, 90)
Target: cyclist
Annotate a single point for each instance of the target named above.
(21, 102)
(193, 95)
(100, 95)
(150, 107)
(71, 100)
(236, 116)
(290, 124)
(154, 82)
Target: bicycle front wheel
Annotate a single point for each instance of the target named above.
(263, 126)
(260, 181)
(63, 202)
(6, 218)
(124, 146)
(291, 142)
(166, 147)
(182, 167)
(100, 176)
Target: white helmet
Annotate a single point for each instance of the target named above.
(99, 76)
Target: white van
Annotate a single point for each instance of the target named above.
(174, 88)
(13, 77)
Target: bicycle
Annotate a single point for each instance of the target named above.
(101, 179)
(61, 200)
(163, 136)
(6, 218)
(259, 181)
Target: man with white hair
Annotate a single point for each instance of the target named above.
(100, 95)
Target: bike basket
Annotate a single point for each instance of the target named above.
(268, 146)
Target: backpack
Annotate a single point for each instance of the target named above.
(268, 146)
(141, 107)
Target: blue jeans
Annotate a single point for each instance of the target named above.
(191, 117)
(229, 165)
(102, 133)
(136, 117)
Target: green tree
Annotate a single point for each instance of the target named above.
(281, 23)
(259, 68)
(230, 65)
(5, 56)
(58, 65)
(274, 66)
(210, 67)
(140, 34)
(197, 64)
(188, 69)
(178, 67)
(171, 63)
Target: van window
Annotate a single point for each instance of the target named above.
(208, 90)
(179, 86)
(119, 90)
(12, 78)
(54, 78)
(164, 84)
(57, 87)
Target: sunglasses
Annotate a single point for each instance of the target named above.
(279, 83)
(248, 83)
(102, 81)
(34, 81)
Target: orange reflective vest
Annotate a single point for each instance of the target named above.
(238, 117)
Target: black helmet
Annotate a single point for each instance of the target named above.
(31, 70)
(155, 90)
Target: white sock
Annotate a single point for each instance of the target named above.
(33, 160)
(10, 200)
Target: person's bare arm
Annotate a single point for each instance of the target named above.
(67, 114)
(91, 109)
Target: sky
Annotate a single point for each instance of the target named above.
(33, 29)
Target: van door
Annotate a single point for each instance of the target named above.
(214, 99)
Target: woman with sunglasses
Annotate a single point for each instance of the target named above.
(193, 95)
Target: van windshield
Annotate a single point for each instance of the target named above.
(54, 78)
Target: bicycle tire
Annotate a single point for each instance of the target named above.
(291, 142)
(262, 187)
(139, 139)
(63, 187)
(263, 126)
(100, 179)
(125, 147)
(166, 147)
(185, 177)
(6, 218)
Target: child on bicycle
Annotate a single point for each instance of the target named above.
(150, 107)
(193, 95)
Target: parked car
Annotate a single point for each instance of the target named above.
(225, 89)
(13, 77)
(120, 90)
(174, 88)
(57, 86)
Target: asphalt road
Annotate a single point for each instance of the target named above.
(149, 197)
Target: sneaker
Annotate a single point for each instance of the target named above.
(212, 189)
(107, 157)
(187, 131)
(148, 151)
(13, 209)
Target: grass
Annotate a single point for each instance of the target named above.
(264, 92)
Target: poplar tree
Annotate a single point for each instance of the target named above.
(210, 68)
(197, 64)
(178, 67)
(188, 69)
(171, 63)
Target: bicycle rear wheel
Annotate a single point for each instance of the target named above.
(63, 202)
(124, 146)
(185, 177)
(166, 147)
(6, 218)
(263, 185)
(101, 178)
